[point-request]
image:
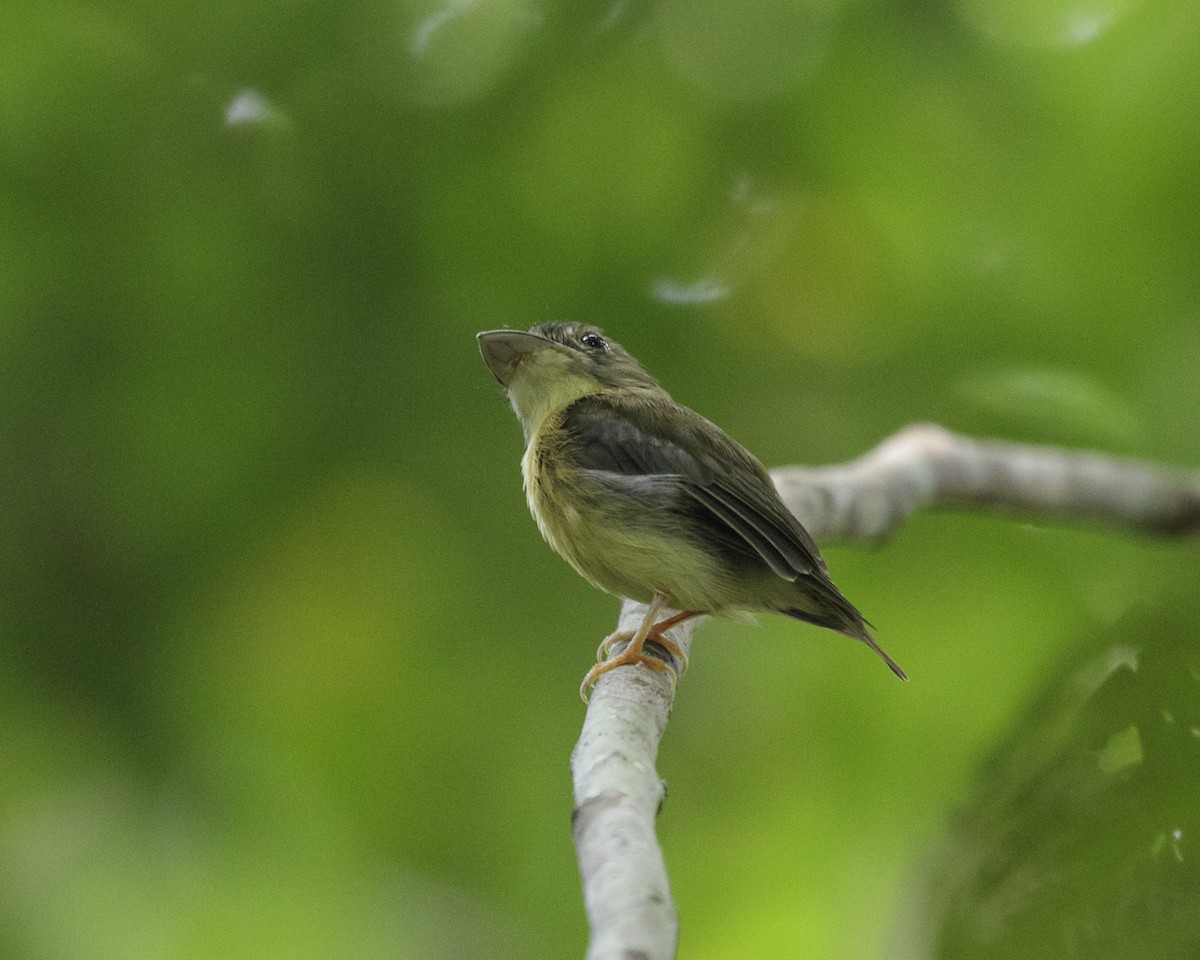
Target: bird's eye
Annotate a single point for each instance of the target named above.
(594, 341)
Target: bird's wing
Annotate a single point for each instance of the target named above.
(629, 436)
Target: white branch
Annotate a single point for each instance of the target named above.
(617, 795)
(926, 466)
(617, 790)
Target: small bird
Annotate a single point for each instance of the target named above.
(648, 500)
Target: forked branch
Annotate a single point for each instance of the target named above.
(617, 790)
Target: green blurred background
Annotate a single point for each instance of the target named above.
(285, 669)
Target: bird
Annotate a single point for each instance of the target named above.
(648, 500)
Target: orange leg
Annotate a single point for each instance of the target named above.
(633, 653)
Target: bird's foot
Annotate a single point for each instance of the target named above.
(635, 652)
(627, 658)
(606, 645)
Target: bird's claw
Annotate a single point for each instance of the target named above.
(631, 655)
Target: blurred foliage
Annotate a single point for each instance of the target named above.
(285, 670)
(1081, 839)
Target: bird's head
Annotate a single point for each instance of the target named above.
(554, 364)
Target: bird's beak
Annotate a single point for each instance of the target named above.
(504, 350)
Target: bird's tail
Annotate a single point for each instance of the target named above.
(845, 619)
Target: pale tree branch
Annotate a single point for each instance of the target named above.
(618, 792)
(926, 466)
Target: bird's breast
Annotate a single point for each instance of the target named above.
(630, 544)
(547, 490)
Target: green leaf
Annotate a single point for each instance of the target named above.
(1082, 840)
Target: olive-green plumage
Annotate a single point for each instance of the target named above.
(643, 496)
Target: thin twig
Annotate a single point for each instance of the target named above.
(618, 792)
